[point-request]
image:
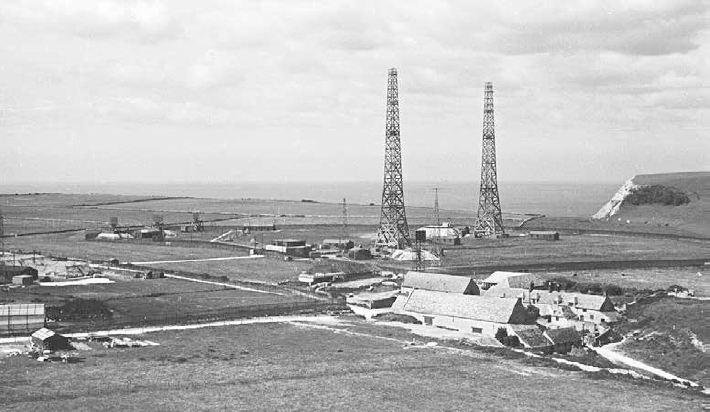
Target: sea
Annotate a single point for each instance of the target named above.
(569, 199)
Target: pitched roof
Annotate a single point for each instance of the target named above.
(437, 282)
(499, 276)
(544, 297)
(583, 300)
(499, 310)
(43, 334)
(563, 335)
(533, 338)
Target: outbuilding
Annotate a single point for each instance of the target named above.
(47, 339)
(564, 339)
(22, 280)
(544, 235)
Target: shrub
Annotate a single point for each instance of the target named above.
(656, 194)
(501, 333)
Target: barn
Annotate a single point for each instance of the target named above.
(464, 313)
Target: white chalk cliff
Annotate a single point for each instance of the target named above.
(612, 207)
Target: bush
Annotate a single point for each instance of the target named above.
(613, 290)
(656, 194)
(501, 333)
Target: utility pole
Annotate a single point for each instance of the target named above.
(346, 233)
(393, 228)
(2, 236)
(489, 220)
(436, 206)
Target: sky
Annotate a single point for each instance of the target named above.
(295, 91)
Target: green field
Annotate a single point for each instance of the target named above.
(297, 367)
(522, 250)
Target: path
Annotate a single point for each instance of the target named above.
(610, 353)
(227, 285)
(157, 262)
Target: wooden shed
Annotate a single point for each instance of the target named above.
(47, 339)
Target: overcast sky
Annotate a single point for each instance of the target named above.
(151, 91)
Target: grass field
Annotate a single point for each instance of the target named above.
(74, 245)
(666, 330)
(651, 278)
(134, 298)
(573, 248)
(262, 269)
(260, 367)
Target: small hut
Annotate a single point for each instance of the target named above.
(47, 339)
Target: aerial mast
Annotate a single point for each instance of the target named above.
(489, 220)
(393, 230)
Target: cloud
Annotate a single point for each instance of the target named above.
(144, 21)
(626, 27)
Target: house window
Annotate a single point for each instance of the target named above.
(476, 330)
(428, 320)
(591, 316)
(584, 310)
(557, 318)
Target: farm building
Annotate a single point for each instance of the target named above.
(465, 313)
(439, 282)
(9, 272)
(21, 317)
(22, 280)
(544, 235)
(291, 247)
(343, 244)
(564, 308)
(47, 339)
(444, 233)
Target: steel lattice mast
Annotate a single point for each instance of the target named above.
(393, 220)
(489, 220)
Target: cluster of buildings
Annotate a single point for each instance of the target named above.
(518, 303)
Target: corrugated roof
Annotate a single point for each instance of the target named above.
(437, 282)
(499, 310)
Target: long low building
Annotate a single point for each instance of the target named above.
(465, 313)
(17, 318)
